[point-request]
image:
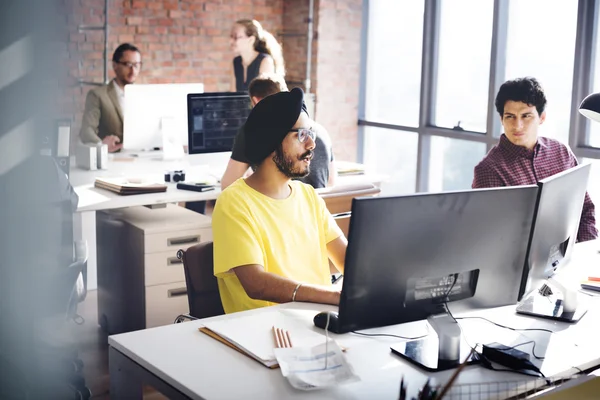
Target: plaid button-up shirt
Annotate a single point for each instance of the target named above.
(510, 165)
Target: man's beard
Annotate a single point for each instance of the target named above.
(286, 164)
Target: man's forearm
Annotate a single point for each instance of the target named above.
(274, 288)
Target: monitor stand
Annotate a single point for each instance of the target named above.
(566, 309)
(446, 351)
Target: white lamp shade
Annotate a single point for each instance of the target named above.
(590, 107)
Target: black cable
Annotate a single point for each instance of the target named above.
(390, 335)
(507, 327)
(532, 349)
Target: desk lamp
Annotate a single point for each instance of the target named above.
(590, 107)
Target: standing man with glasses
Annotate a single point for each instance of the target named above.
(273, 236)
(104, 106)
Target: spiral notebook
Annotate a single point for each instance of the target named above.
(252, 335)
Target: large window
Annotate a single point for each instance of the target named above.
(394, 154)
(541, 43)
(464, 64)
(394, 61)
(433, 67)
(452, 163)
(594, 139)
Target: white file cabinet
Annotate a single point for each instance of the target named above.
(141, 282)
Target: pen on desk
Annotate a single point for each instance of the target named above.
(402, 390)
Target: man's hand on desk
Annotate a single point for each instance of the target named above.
(113, 142)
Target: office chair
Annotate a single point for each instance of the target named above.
(202, 287)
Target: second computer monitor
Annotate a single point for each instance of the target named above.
(214, 120)
(151, 110)
(404, 254)
(553, 235)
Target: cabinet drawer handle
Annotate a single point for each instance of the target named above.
(182, 291)
(174, 261)
(183, 240)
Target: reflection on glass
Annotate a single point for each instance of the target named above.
(464, 63)
(452, 162)
(394, 61)
(541, 43)
(392, 153)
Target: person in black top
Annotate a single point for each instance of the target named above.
(257, 52)
(322, 169)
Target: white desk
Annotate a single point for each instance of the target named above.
(184, 363)
(92, 199)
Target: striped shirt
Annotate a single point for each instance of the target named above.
(510, 165)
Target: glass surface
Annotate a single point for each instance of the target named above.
(392, 153)
(395, 41)
(541, 43)
(464, 64)
(452, 162)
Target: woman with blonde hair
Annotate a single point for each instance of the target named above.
(257, 53)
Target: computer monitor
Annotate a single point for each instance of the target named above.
(155, 115)
(408, 255)
(214, 119)
(554, 232)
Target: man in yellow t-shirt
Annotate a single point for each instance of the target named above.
(274, 237)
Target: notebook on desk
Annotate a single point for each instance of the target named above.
(252, 335)
(127, 186)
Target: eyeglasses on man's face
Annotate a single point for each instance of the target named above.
(236, 38)
(304, 133)
(134, 65)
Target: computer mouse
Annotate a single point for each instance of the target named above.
(320, 321)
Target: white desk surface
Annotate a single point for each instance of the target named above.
(94, 199)
(200, 367)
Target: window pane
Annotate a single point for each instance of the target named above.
(594, 139)
(594, 183)
(464, 63)
(392, 153)
(541, 43)
(394, 61)
(452, 162)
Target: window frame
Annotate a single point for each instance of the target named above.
(584, 60)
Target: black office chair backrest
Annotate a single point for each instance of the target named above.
(202, 287)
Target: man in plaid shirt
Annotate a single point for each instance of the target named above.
(523, 158)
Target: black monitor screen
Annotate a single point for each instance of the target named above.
(407, 255)
(214, 119)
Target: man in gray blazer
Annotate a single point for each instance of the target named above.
(103, 116)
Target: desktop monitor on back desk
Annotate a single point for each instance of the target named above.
(409, 255)
(553, 234)
(156, 115)
(213, 122)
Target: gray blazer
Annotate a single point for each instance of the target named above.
(102, 116)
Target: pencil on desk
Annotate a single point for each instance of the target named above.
(275, 338)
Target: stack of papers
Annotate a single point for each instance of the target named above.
(592, 283)
(253, 335)
(349, 168)
(127, 186)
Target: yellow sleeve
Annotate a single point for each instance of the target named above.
(235, 236)
(331, 228)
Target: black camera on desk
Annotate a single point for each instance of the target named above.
(175, 176)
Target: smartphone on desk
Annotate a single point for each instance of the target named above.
(196, 187)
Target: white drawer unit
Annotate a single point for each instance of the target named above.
(141, 283)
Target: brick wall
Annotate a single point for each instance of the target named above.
(188, 41)
(338, 71)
